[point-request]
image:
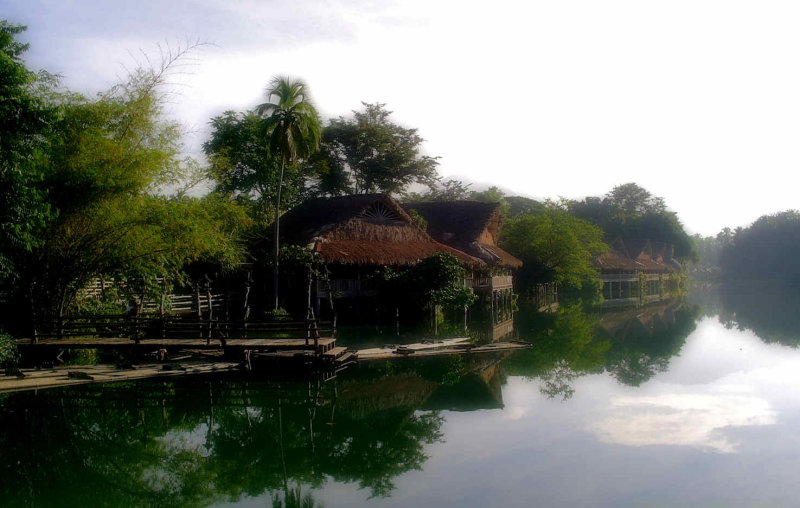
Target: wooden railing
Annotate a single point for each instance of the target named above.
(172, 330)
(495, 282)
(344, 287)
(628, 277)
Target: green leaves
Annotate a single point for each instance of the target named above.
(24, 121)
(438, 280)
(554, 246)
(372, 154)
(292, 124)
(629, 211)
(80, 187)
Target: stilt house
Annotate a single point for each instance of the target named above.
(636, 270)
(354, 235)
(474, 227)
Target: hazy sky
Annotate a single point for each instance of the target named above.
(698, 101)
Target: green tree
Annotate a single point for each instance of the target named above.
(554, 246)
(293, 130)
(518, 205)
(449, 190)
(629, 211)
(242, 165)
(767, 249)
(24, 120)
(493, 195)
(369, 153)
(102, 165)
(631, 199)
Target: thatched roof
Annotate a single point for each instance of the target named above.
(639, 255)
(366, 229)
(469, 226)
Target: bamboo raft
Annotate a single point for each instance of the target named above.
(336, 357)
(39, 379)
(457, 346)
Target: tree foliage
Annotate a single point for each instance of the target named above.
(554, 246)
(292, 125)
(369, 153)
(629, 211)
(240, 164)
(448, 190)
(767, 249)
(435, 280)
(24, 122)
(100, 166)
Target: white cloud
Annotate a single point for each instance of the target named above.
(682, 419)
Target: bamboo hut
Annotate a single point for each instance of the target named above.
(356, 234)
(636, 270)
(474, 227)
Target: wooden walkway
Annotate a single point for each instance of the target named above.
(39, 379)
(457, 346)
(337, 358)
(172, 332)
(324, 344)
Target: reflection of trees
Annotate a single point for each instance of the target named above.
(644, 340)
(189, 443)
(633, 345)
(769, 312)
(564, 348)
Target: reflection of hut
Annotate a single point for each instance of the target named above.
(636, 270)
(480, 389)
(356, 234)
(360, 397)
(642, 321)
(474, 227)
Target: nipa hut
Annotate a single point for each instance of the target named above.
(358, 233)
(474, 227)
(636, 269)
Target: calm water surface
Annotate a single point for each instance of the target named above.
(692, 403)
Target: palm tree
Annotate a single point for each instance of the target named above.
(293, 131)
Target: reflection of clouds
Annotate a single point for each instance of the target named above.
(682, 419)
(516, 412)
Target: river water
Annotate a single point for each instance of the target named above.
(692, 402)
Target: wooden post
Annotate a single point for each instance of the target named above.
(35, 338)
(210, 309)
(330, 298)
(246, 304)
(358, 294)
(199, 309)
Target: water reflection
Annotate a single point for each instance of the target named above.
(770, 312)
(681, 419)
(655, 406)
(186, 442)
(632, 345)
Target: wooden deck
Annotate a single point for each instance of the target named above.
(39, 379)
(461, 345)
(171, 333)
(189, 343)
(334, 359)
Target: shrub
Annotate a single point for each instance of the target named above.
(9, 354)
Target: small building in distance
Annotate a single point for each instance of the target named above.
(474, 227)
(637, 270)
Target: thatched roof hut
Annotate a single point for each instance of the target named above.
(469, 226)
(365, 229)
(637, 255)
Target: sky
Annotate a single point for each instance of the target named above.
(697, 101)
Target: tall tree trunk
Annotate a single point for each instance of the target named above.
(277, 236)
